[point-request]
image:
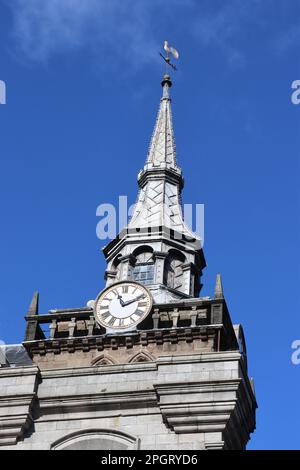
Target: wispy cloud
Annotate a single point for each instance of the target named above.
(123, 29)
(224, 26)
(235, 26)
(130, 30)
(119, 28)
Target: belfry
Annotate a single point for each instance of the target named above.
(149, 364)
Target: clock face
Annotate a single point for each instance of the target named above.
(122, 305)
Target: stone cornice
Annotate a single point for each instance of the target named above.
(222, 413)
(153, 234)
(6, 372)
(101, 342)
(95, 401)
(17, 396)
(134, 367)
(173, 176)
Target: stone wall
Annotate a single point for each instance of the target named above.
(120, 355)
(188, 401)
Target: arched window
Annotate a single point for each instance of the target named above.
(96, 439)
(173, 274)
(116, 267)
(143, 269)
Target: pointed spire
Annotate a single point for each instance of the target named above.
(34, 305)
(219, 288)
(159, 199)
(162, 149)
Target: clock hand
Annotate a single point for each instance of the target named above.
(121, 300)
(133, 300)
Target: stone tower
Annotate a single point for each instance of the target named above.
(150, 365)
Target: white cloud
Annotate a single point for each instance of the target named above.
(118, 28)
(121, 29)
(131, 30)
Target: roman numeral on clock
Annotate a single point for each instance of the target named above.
(134, 317)
(108, 297)
(111, 321)
(105, 315)
(139, 312)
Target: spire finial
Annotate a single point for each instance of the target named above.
(166, 84)
(219, 288)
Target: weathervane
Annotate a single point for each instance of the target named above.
(169, 50)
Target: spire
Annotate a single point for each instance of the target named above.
(157, 247)
(34, 305)
(162, 149)
(219, 288)
(160, 181)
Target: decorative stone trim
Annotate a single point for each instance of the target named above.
(171, 335)
(228, 412)
(142, 356)
(90, 402)
(17, 395)
(103, 360)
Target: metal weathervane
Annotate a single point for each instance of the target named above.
(170, 51)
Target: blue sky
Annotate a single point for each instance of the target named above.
(83, 87)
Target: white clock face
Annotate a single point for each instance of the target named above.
(122, 305)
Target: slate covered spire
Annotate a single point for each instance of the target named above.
(162, 149)
(159, 199)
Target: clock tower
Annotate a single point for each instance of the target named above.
(157, 248)
(149, 364)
